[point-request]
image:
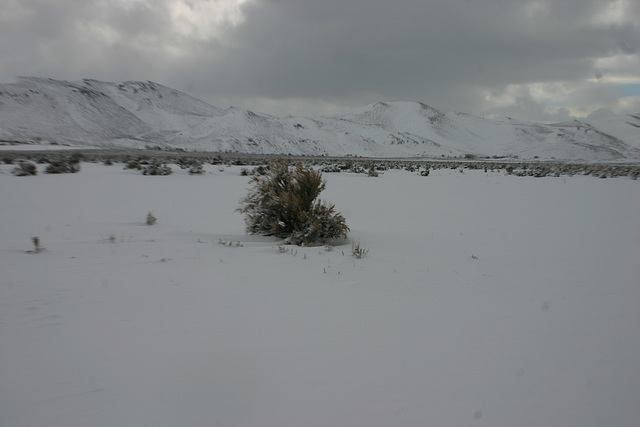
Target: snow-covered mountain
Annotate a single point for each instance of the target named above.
(141, 114)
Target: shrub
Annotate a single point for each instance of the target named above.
(151, 219)
(36, 244)
(25, 169)
(184, 162)
(157, 168)
(195, 166)
(260, 170)
(133, 164)
(282, 203)
(76, 158)
(68, 165)
(197, 169)
(358, 251)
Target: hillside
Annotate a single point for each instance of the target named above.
(142, 114)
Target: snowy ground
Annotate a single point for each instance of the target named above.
(485, 299)
(42, 147)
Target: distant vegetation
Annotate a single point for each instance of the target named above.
(155, 161)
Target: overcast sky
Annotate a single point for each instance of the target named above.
(537, 60)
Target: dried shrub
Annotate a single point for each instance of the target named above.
(66, 165)
(151, 219)
(282, 203)
(25, 169)
(157, 168)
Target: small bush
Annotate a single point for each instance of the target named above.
(25, 169)
(76, 158)
(197, 169)
(36, 244)
(157, 168)
(195, 166)
(37, 248)
(260, 170)
(185, 162)
(151, 219)
(133, 164)
(68, 165)
(283, 203)
(357, 251)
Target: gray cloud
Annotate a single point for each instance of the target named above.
(289, 55)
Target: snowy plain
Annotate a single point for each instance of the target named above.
(484, 299)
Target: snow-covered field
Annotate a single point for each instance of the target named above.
(485, 299)
(42, 147)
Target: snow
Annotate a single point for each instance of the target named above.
(624, 127)
(43, 147)
(485, 299)
(138, 114)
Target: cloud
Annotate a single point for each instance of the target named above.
(298, 56)
(108, 38)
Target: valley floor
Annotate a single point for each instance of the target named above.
(484, 299)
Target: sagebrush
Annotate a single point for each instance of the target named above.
(282, 203)
(151, 219)
(69, 164)
(25, 169)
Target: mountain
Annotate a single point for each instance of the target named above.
(142, 114)
(95, 113)
(623, 127)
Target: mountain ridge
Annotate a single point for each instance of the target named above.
(136, 114)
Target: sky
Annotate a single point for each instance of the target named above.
(542, 60)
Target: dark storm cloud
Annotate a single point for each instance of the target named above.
(333, 48)
(75, 38)
(340, 53)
